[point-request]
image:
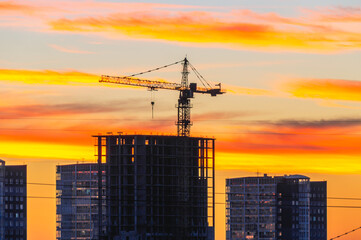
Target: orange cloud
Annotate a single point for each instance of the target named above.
(260, 31)
(74, 123)
(32, 11)
(47, 136)
(40, 110)
(339, 136)
(51, 77)
(10, 6)
(333, 89)
(317, 30)
(48, 77)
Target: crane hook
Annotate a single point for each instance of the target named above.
(152, 100)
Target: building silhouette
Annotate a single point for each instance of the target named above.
(13, 201)
(281, 207)
(157, 187)
(77, 201)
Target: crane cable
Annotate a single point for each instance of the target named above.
(346, 233)
(200, 77)
(155, 69)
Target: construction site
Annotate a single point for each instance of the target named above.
(155, 187)
(160, 187)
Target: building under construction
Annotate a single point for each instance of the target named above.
(157, 187)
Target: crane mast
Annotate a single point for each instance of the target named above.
(184, 104)
(185, 91)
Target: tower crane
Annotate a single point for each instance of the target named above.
(186, 90)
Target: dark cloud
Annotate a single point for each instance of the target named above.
(340, 122)
(220, 115)
(35, 110)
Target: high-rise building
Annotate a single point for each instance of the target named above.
(293, 208)
(78, 201)
(251, 208)
(318, 211)
(158, 187)
(281, 207)
(15, 202)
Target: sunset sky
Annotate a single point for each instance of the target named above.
(291, 70)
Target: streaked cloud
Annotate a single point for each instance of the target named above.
(82, 7)
(24, 111)
(69, 50)
(212, 116)
(332, 89)
(75, 131)
(47, 77)
(313, 30)
(7, 7)
(331, 136)
(323, 123)
(44, 150)
(34, 15)
(289, 163)
(236, 29)
(52, 77)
